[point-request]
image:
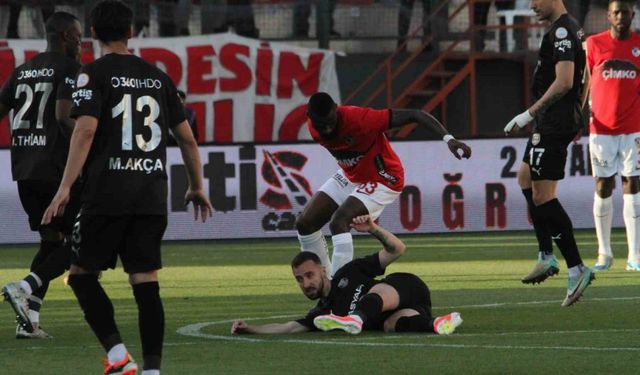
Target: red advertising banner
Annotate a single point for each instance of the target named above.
(242, 90)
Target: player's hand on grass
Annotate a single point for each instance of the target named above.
(57, 205)
(455, 145)
(362, 223)
(517, 123)
(239, 326)
(201, 205)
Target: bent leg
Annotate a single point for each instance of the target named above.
(310, 222)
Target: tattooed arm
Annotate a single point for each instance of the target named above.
(560, 86)
(393, 247)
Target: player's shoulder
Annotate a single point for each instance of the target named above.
(566, 27)
(599, 37)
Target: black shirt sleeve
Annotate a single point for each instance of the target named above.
(564, 44)
(368, 265)
(175, 106)
(67, 83)
(87, 98)
(319, 309)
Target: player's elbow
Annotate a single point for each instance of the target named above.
(401, 248)
(564, 85)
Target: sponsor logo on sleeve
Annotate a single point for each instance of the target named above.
(83, 80)
(635, 51)
(561, 33)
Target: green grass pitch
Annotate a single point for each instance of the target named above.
(509, 328)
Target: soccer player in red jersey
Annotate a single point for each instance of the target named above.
(370, 176)
(613, 60)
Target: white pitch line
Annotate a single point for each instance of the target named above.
(501, 304)
(194, 331)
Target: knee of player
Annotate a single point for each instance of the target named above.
(339, 224)
(389, 326)
(50, 234)
(305, 225)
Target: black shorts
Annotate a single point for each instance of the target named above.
(413, 292)
(97, 241)
(546, 155)
(36, 196)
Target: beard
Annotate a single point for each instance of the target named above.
(314, 293)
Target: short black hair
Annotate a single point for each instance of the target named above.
(111, 20)
(320, 104)
(59, 22)
(304, 256)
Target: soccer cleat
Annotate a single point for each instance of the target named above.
(633, 266)
(542, 270)
(125, 367)
(349, 323)
(576, 286)
(447, 324)
(37, 333)
(17, 297)
(604, 263)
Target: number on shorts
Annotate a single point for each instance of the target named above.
(535, 155)
(367, 188)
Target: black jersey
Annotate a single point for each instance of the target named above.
(562, 42)
(135, 104)
(39, 147)
(348, 285)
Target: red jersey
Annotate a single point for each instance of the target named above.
(615, 83)
(362, 149)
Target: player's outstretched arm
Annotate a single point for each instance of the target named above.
(401, 117)
(242, 327)
(393, 246)
(79, 147)
(189, 149)
(560, 86)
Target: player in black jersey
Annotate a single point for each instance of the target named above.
(354, 300)
(557, 88)
(124, 108)
(39, 92)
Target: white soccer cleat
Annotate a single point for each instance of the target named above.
(604, 263)
(37, 333)
(18, 297)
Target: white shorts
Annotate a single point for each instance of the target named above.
(374, 195)
(611, 154)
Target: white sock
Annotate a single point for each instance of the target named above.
(316, 243)
(34, 316)
(342, 251)
(151, 372)
(575, 270)
(25, 285)
(631, 214)
(603, 216)
(117, 353)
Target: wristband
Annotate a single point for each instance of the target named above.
(447, 138)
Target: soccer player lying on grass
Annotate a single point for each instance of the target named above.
(354, 300)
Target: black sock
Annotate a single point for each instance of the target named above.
(415, 323)
(561, 230)
(369, 308)
(55, 260)
(150, 322)
(539, 226)
(97, 308)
